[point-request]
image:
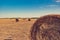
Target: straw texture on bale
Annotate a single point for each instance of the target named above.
(46, 28)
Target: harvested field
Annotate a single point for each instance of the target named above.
(12, 30)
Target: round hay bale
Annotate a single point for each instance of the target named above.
(46, 28)
(17, 20)
(29, 19)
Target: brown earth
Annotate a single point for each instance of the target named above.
(10, 29)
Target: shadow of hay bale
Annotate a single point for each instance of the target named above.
(46, 28)
(8, 38)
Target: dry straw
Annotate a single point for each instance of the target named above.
(46, 28)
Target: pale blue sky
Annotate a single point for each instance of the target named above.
(28, 8)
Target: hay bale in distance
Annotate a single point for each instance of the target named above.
(17, 20)
(29, 19)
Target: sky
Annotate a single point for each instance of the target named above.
(28, 8)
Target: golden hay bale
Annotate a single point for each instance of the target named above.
(46, 28)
